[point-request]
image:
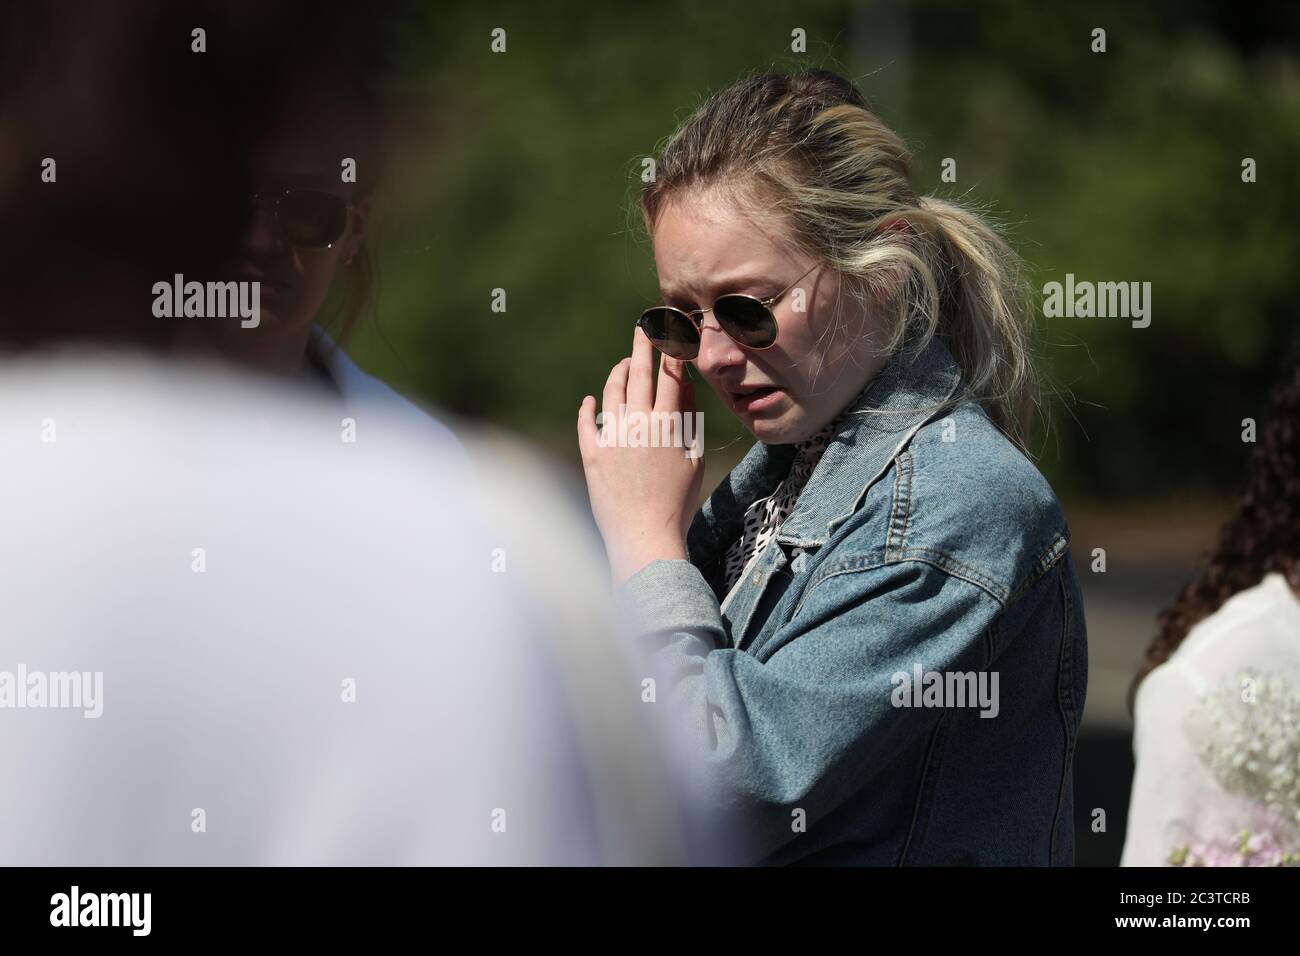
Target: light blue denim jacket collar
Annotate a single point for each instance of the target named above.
(909, 389)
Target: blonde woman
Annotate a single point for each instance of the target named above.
(872, 631)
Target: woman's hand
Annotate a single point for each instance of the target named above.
(643, 497)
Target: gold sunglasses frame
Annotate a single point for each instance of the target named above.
(767, 304)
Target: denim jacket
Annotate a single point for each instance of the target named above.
(831, 695)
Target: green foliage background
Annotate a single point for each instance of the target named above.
(519, 171)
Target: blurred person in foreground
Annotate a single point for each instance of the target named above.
(240, 627)
(197, 669)
(1216, 706)
(284, 141)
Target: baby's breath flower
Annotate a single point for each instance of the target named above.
(1254, 748)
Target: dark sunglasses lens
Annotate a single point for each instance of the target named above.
(746, 320)
(671, 332)
(312, 220)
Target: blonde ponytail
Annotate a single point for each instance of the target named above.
(984, 313)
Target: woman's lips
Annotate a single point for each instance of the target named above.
(750, 401)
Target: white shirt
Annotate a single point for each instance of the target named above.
(358, 389)
(302, 650)
(1191, 704)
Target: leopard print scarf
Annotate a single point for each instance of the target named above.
(763, 518)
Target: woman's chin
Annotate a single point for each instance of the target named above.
(793, 425)
(774, 430)
(276, 321)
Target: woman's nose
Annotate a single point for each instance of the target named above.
(718, 350)
(259, 236)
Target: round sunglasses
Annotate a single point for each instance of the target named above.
(748, 320)
(307, 218)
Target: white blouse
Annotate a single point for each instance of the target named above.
(1217, 740)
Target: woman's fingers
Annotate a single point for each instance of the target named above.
(615, 395)
(631, 387)
(640, 383)
(588, 439)
(673, 391)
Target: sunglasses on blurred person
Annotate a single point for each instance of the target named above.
(306, 218)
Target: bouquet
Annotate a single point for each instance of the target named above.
(1253, 749)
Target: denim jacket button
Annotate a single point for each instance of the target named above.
(757, 578)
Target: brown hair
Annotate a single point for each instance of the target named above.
(360, 283)
(1262, 537)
